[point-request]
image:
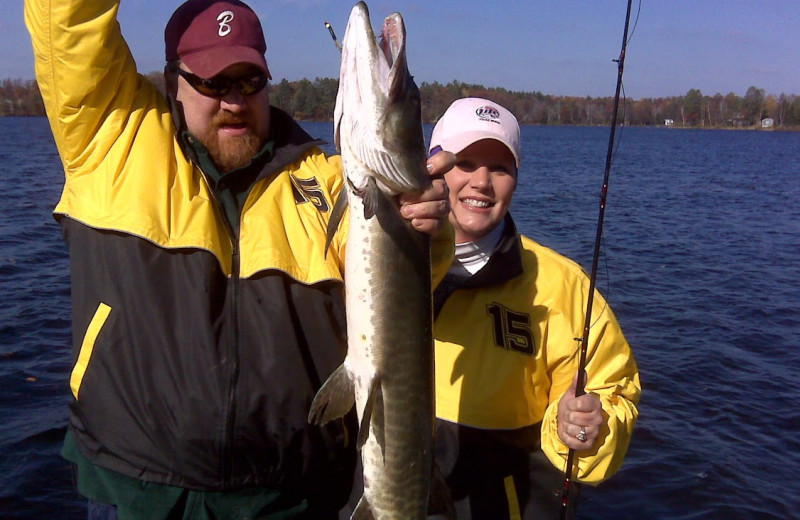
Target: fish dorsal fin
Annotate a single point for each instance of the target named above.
(337, 213)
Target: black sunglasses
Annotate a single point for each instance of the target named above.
(219, 86)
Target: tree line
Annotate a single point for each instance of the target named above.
(314, 101)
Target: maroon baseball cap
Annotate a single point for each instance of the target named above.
(210, 35)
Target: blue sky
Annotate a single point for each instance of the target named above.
(555, 47)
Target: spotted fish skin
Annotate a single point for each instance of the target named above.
(388, 371)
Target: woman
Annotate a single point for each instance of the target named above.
(507, 318)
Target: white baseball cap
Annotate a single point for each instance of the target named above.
(469, 120)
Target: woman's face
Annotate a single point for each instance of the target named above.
(481, 185)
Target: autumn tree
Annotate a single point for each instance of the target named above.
(692, 109)
(20, 98)
(325, 89)
(282, 96)
(770, 106)
(753, 105)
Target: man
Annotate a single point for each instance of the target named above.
(505, 385)
(205, 311)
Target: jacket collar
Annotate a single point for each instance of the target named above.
(291, 142)
(504, 264)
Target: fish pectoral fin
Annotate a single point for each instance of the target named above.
(362, 510)
(369, 408)
(372, 197)
(337, 213)
(440, 501)
(334, 399)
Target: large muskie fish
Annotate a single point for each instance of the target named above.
(388, 371)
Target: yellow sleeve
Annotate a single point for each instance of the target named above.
(86, 75)
(614, 378)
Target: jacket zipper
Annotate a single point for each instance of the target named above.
(233, 351)
(230, 416)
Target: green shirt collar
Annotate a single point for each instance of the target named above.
(206, 163)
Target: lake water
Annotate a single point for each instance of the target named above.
(701, 263)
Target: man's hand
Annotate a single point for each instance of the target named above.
(429, 211)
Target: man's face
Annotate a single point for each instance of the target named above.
(233, 127)
(481, 185)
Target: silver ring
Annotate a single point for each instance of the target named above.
(581, 435)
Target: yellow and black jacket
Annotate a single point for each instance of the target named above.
(505, 354)
(199, 343)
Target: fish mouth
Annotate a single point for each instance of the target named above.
(377, 119)
(376, 62)
(393, 45)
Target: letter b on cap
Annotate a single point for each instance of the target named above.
(224, 19)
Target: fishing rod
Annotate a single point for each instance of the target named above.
(579, 389)
(333, 35)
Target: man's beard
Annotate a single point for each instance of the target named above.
(231, 152)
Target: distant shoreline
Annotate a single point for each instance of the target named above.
(657, 127)
(307, 100)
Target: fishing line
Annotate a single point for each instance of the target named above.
(607, 291)
(610, 153)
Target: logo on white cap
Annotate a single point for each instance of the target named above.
(224, 19)
(488, 113)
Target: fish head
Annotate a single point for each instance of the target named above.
(377, 119)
